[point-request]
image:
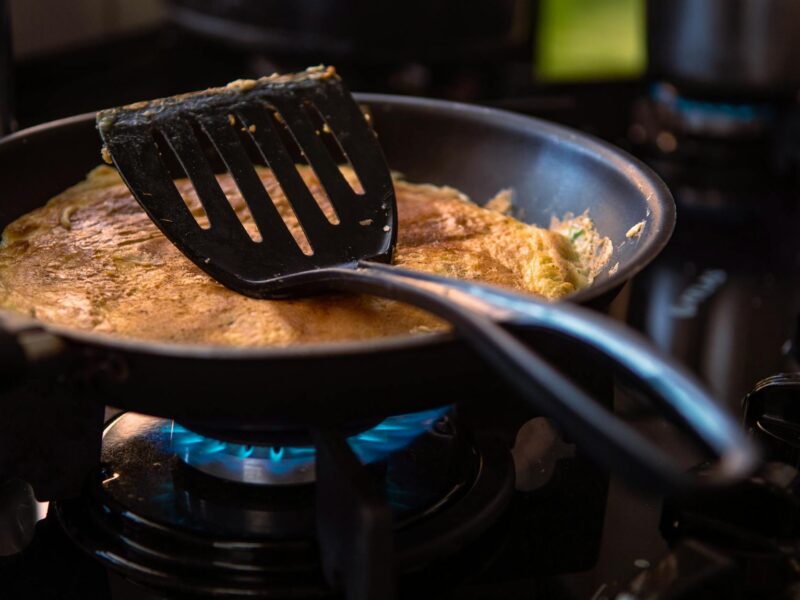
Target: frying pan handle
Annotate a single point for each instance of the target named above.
(23, 344)
(475, 310)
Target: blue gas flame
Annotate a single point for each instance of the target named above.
(369, 446)
(739, 112)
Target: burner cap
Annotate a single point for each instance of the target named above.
(292, 465)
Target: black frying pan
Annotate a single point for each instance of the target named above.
(552, 170)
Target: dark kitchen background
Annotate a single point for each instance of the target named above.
(704, 91)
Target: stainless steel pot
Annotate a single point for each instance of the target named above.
(727, 47)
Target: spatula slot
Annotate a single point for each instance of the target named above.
(241, 209)
(312, 208)
(294, 150)
(246, 139)
(248, 134)
(328, 135)
(186, 189)
(235, 201)
(277, 222)
(337, 190)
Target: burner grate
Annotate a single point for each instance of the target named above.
(171, 528)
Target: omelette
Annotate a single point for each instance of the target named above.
(91, 259)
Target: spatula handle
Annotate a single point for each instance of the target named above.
(477, 311)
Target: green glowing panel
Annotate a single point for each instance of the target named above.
(590, 39)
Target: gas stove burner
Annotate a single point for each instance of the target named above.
(161, 522)
(705, 147)
(713, 118)
(713, 132)
(291, 465)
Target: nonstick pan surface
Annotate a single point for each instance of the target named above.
(551, 169)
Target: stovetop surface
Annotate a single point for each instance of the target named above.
(576, 536)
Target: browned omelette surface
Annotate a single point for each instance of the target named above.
(91, 259)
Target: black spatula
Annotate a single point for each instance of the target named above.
(255, 116)
(305, 104)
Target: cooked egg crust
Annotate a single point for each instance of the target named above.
(91, 259)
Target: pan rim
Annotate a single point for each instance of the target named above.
(661, 222)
